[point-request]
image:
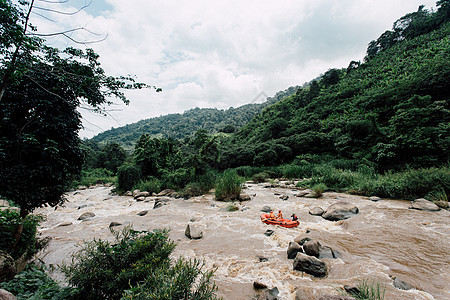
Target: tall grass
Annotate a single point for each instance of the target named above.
(151, 185)
(94, 176)
(407, 184)
(228, 185)
(368, 290)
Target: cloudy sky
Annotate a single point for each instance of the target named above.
(218, 53)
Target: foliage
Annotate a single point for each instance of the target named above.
(368, 290)
(34, 283)
(94, 176)
(260, 177)
(228, 185)
(127, 176)
(41, 89)
(136, 266)
(30, 241)
(200, 185)
(151, 185)
(318, 190)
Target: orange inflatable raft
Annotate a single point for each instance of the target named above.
(280, 222)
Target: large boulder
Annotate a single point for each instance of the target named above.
(312, 248)
(310, 265)
(316, 211)
(141, 194)
(193, 232)
(424, 204)
(7, 267)
(166, 192)
(401, 285)
(293, 249)
(340, 211)
(161, 201)
(266, 209)
(5, 295)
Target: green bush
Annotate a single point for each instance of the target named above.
(94, 176)
(200, 186)
(151, 185)
(228, 185)
(30, 241)
(302, 170)
(127, 176)
(368, 290)
(176, 179)
(34, 283)
(318, 190)
(260, 177)
(136, 266)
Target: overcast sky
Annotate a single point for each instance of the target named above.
(220, 53)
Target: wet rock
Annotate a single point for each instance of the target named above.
(64, 224)
(114, 224)
(86, 215)
(244, 197)
(5, 295)
(310, 265)
(141, 194)
(262, 259)
(166, 192)
(303, 193)
(301, 240)
(340, 211)
(135, 192)
(7, 267)
(442, 204)
(272, 294)
(401, 285)
(351, 289)
(193, 232)
(424, 204)
(266, 209)
(142, 213)
(160, 202)
(328, 252)
(311, 247)
(293, 249)
(139, 199)
(374, 198)
(128, 193)
(82, 187)
(336, 297)
(258, 285)
(284, 197)
(269, 232)
(316, 211)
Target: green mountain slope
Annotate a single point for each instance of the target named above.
(391, 110)
(178, 126)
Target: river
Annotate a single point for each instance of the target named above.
(385, 239)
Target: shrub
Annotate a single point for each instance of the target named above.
(127, 176)
(260, 177)
(368, 290)
(30, 241)
(176, 179)
(94, 176)
(151, 185)
(34, 283)
(228, 185)
(302, 170)
(200, 186)
(136, 265)
(318, 190)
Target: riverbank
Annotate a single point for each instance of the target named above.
(384, 239)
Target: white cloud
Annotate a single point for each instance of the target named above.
(224, 53)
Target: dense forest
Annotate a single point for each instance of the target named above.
(179, 126)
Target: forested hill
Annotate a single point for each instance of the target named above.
(178, 126)
(391, 110)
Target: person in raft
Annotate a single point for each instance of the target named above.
(280, 215)
(272, 215)
(294, 217)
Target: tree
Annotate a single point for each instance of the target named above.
(39, 122)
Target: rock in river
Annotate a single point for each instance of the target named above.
(310, 265)
(340, 211)
(424, 204)
(193, 232)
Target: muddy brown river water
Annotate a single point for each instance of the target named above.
(385, 239)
